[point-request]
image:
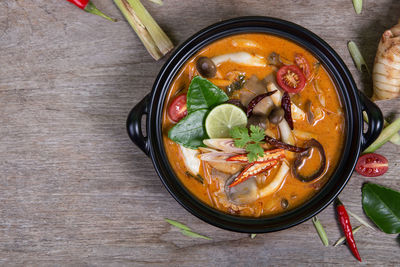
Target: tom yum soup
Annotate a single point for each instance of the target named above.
(253, 125)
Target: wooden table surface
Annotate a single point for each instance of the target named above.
(74, 190)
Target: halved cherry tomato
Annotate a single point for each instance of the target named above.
(302, 63)
(372, 165)
(177, 109)
(291, 79)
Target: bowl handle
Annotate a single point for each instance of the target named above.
(375, 121)
(134, 124)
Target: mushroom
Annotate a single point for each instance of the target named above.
(243, 193)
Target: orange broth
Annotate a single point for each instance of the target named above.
(329, 130)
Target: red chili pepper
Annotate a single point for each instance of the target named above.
(89, 7)
(253, 169)
(346, 227)
(273, 154)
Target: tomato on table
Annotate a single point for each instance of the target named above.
(177, 110)
(291, 79)
(372, 165)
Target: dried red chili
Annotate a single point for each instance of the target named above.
(255, 101)
(279, 144)
(89, 7)
(286, 104)
(346, 227)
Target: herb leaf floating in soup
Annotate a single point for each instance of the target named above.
(204, 94)
(190, 131)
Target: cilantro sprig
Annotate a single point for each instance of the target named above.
(251, 142)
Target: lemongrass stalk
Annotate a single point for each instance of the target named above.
(361, 220)
(395, 139)
(252, 236)
(153, 37)
(385, 136)
(158, 2)
(357, 57)
(177, 224)
(343, 238)
(357, 6)
(195, 235)
(321, 231)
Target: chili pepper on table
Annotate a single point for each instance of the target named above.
(346, 227)
(89, 7)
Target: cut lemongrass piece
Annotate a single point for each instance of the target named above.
(193, 234)
(252, 236)
(385, 136)
(321, 231)
(158, 2)
(357, 6)
(177, 224)
(361, 220)
(357, 57)
(343, 238)
(395, 139)
(153, 37)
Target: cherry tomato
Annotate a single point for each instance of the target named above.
(291, 79)
(372, 165)
(177, 109)
(302, 63)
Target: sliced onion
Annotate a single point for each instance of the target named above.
(225, 144)
(217, 157)
(191, 160)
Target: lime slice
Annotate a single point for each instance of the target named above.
(223, 118)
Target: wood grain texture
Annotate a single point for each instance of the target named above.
(75, 191)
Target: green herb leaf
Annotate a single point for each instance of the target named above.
(356, 55)
(321, 231)
(252, 143)
(177, 224)
(190, 131)
(357, 6)
(241, 136)
(193, 234)
(255, 151)
(203, 94)
(382, 206)
(257, 133)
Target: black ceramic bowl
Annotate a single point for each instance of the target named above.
(354, 103)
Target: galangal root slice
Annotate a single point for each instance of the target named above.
(386, 72)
